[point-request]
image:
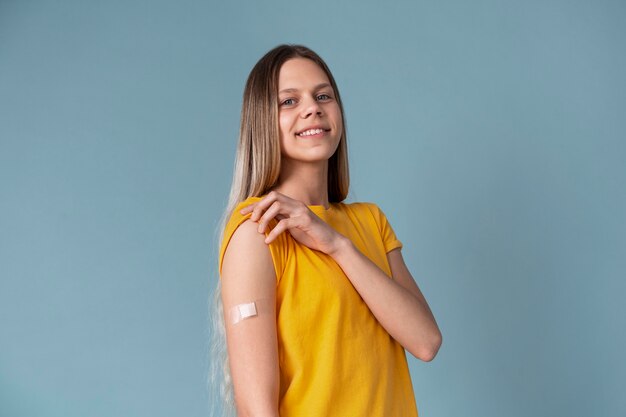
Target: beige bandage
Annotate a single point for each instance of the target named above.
(242, 312)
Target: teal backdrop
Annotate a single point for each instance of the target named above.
(492, 134)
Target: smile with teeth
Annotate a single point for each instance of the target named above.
(311, 132)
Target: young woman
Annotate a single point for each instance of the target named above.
(318, 304)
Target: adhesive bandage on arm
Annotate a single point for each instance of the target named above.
(242, 312)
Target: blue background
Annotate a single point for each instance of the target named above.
(492, 134)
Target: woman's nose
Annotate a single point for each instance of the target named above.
(311, 107)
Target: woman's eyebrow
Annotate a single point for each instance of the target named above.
(294, 90)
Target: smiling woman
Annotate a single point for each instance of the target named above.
(310, 118)
(319, 304)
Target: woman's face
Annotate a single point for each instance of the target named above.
(309, 116)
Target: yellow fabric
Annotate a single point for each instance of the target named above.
(335, 358)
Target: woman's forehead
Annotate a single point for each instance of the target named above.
(301, 73)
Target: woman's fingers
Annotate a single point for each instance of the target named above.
(282, 225)
(260, 206)
(290, 214)
(247, 208)
(269, 215)
(293, 216)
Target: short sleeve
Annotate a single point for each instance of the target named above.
(388, 235)
(278, 247)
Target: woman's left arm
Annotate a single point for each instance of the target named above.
(397, 304)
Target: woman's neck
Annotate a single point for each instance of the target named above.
(304, 182)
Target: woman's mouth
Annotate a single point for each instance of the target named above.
(311, 132)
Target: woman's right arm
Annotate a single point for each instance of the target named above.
(248, 276)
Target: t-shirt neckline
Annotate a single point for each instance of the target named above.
(313, 207)
(319, 207)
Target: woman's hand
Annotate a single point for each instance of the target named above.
(293, 215)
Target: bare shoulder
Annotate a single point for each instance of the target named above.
(247, 264)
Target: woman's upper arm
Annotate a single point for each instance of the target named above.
(248, 275)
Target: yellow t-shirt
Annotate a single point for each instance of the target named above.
(335, 358)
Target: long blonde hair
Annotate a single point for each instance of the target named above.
(256, 171)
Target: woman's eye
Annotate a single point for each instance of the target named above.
(288, 102)
(323, 97)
